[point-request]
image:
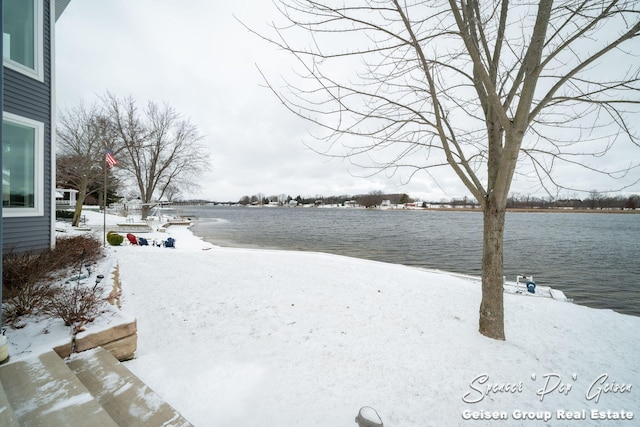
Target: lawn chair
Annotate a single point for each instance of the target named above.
(132, 239)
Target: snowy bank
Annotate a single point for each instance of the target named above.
(242, 337)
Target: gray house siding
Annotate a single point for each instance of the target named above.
(60, 7)
(31, 98)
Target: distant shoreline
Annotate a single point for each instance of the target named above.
(540, 210)
(443, 209)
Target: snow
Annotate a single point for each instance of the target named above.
(241, 337)
(80, 399)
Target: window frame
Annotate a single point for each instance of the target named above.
(38, 171)
(38, 49)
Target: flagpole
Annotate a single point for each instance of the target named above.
(104, 205)
(109, 162)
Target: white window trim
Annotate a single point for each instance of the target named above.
(38, 49)
(54, 119)
(38, 179)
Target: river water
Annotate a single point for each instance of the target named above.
(593, 258)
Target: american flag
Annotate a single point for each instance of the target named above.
(111, 161)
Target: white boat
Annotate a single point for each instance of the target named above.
(524, 285)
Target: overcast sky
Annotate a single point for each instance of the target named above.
(195, 56)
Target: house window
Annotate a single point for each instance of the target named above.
(22, 166)
(22, 37)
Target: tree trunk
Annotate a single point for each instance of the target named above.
(492, 305)
(77, 212)
(145, 210)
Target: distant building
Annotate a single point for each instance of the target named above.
(66, 198)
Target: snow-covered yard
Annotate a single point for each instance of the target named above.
(242, 337)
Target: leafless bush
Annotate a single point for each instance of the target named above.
(28, 277)
(19, 269)
(70, 251)
(76, 304)
(26, 299)
(26, 282)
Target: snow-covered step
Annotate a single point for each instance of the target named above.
(7, 417)
(42, 390)
(124, 396)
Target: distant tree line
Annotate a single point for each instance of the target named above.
(595, 200)
(372, 199)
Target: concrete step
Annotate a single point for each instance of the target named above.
(7, 417)
(124, 396)
(42, 391)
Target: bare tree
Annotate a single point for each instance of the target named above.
(82, 133)
(478, 87)
(594, 199)
(373, 199)
(172, 193)
(159, 149)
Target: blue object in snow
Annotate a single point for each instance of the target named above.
(531, 286)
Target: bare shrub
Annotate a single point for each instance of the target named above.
(28, 277)
(70, 251)
(25, 299)
(76, 304)
(26, 283)
(19, 269)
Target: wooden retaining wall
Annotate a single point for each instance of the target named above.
(120, 340)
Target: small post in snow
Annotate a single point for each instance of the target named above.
(368, 417)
